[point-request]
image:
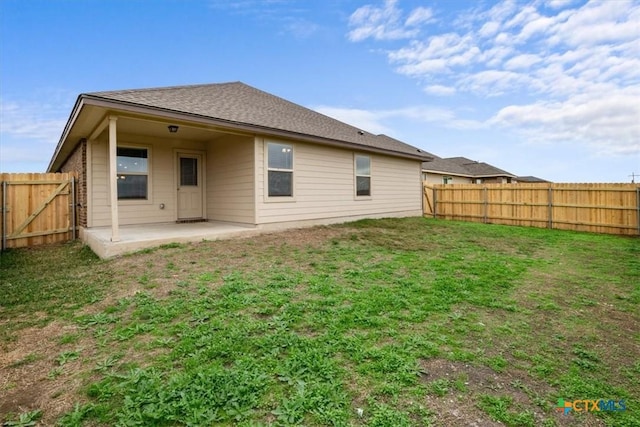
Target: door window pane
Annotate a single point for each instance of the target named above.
(188, 171)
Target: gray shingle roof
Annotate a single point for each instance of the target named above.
(463, 166)
(239, 103)
(479, 168)
(530, 178)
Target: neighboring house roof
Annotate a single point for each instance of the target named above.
(440, 165)
(530, 179)
(462, 166)
(239, 104)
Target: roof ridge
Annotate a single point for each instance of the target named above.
(167, 88)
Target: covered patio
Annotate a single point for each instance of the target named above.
(137, 237)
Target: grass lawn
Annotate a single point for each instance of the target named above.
(397, 322)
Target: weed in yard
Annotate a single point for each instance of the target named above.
(67, 356)
(68, 338)
(499, 408)
(30, 358)
(25, 419)
(54, 373)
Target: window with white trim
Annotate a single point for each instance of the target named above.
(133, 173)
(280, 169)
(447, 180)
(363, 175)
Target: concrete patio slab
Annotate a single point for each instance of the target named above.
(137, 237)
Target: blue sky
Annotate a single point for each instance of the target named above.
(549, 88)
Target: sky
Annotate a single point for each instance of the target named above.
(549, 88)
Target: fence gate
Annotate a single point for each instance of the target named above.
(37, 209)
(428, 200)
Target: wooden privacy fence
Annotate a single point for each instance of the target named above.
(597, 208)
(36, 208)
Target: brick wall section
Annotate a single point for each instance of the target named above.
(77, 162)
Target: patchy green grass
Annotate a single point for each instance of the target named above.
(377, 323)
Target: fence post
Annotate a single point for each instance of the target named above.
(486, 205)
(550, 209)
(435, 202)
(4, 215)
(73, 208)
(638, 207)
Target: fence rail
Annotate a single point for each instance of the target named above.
(597, 208)
(36, 209)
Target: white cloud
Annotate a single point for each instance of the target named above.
(610, 125)
(440, 90)
(370, 121)
(557, 4)
(301, 28)
(374, 120)
(489, 29)
(385, 23)
(495, 82)
(524, 61)
(556, 70)
(440, 54)
(419, 15)
(39, 122)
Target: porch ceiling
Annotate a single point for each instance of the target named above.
(159, 129)
(90, 117)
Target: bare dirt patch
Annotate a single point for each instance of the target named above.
(453, 408)
(32, 376)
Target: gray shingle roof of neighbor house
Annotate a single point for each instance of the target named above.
(444, 165)
(465, 167)
(238, 103)
(530, 178)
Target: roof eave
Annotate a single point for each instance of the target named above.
(139, 108)
(447, 173)
(53, 163)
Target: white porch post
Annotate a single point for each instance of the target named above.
(113, 179)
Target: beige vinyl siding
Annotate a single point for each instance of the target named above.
(161, 182)
(324, 186)
(433, 178)
(230, 179)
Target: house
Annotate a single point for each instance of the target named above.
(225, 154)
(460, 170)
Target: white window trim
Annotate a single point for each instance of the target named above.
(355, 177)
(279, 199)
(149, 199)
(447, 179)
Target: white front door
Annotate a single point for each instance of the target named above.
(189, 186)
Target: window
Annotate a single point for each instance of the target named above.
(478, 181)
(363, 175)
(133, 173)
(447, 180)
(280, 169)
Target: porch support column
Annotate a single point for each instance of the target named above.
(113, 179)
